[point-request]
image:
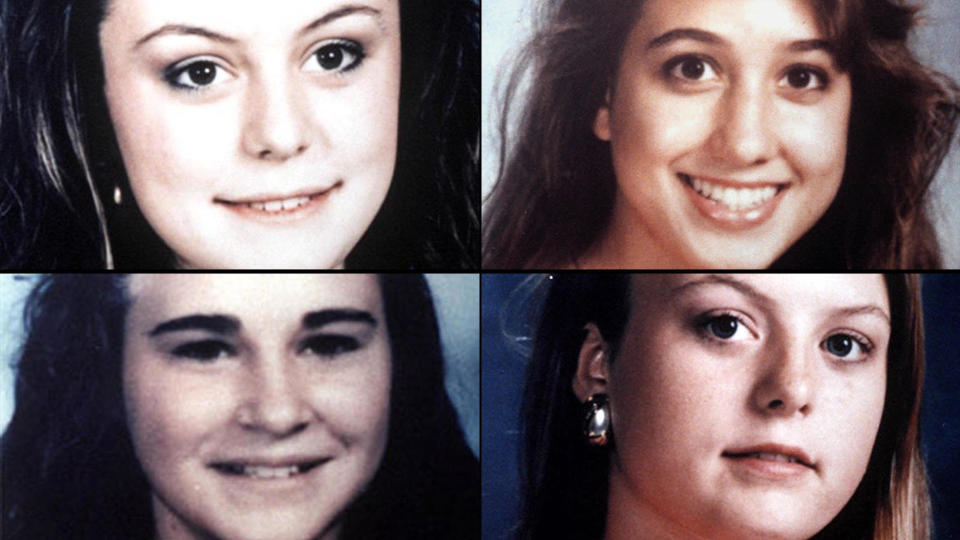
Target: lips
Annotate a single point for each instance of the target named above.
(773, 453)
(279, 204)
(734, 205)
(268, 471)
(735, 198)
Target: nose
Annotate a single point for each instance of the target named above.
(275, 402)
(785, 384)
(278, 121)
(743, 134)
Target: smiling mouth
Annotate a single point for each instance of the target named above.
(735, 199)
(267, 472)
(281, 204)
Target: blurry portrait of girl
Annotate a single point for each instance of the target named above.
(724, 134)
(721, 406)
(152, 134)
(186, 406)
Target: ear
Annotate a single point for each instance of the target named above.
(593, 365)
(601, 124)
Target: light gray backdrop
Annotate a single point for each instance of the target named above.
(507, 23)
(456, 296)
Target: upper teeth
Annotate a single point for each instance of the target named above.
(774, 457)
(270, 472)
(280, 205)
(259, 471)
(735, 198)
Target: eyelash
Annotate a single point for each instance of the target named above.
(345, 48)
(329, 345)
(679, 61)
(819, 74)
(173, 74)
(705, 327)
(210, 350)
(705, 324)
(865, 344)
(350, 47)
(205, 350)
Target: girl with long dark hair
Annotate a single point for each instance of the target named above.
(661, 134)
(162, 134)
(234, 406)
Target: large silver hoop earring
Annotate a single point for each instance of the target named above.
(596, 420)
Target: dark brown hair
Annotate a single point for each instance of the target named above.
(555, 186)
(61, 161)
(69, 469)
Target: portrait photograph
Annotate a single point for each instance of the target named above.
(240, 406)
(721, 134)
(303, 134)
(762, 405)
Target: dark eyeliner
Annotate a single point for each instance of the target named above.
(350, 46)
(329, 345)
(203, 350)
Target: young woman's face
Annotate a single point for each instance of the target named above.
(728, 127)
(255, 137)
(258, 404)
(721, 381)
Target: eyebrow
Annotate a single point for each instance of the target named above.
(218, 324)
(747, 290)
(318, 319)
(189, 30)
(803, 45)
(720, 279)
(869, 309)
(228, 325)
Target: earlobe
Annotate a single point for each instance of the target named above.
(592, 365)
(601, 124)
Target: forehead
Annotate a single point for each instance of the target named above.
(768, 20)
(807, 292)
(270, 296)
(243, 19)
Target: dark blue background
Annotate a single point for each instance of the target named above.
(503, 372)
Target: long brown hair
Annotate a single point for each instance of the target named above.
(564, 481)
(556, 186)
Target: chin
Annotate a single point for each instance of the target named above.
(275, 526)
(733, 255)
(764, 521)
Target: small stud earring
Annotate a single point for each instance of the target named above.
(117, 196)
(596, 421)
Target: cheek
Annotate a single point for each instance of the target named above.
(355, 405)
(169, 417)
(171, 148)
(816, 141)
(854, 416)
(663, 400)
(650, 128)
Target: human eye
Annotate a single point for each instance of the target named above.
(848, 346)
(204, 350)
(804, 77)
(329, 345)
(195, 74)
(336, 55)
(724, 326)
(690, 68)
